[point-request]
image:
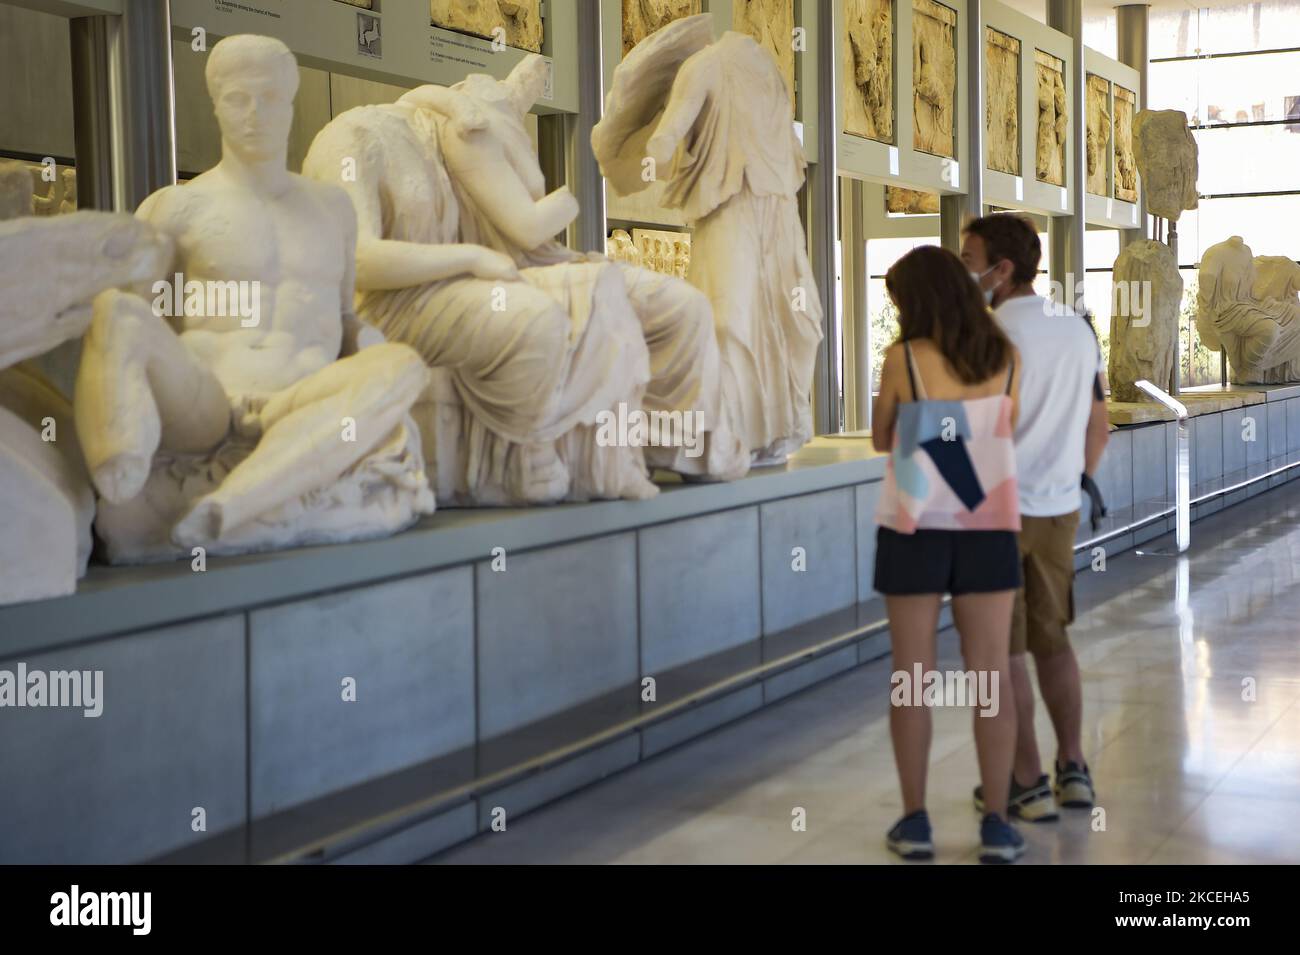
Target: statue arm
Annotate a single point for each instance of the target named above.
(383, 264)
(690, 89)
(481, 167)
(154, 210)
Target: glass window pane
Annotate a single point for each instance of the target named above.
(1267, 223)
(1249, 159)
(1239, 89)
(883, 320)
(1174, 86)
(1099, 33)
(1100, 246)
(1270, 25)
(1172, 33)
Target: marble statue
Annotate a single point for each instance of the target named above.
(50, 270)
(1147, 300)
(682, 256)
(913, 202)
(713, 122)
(771, 24)
(1260, 335)
(15, 190)
(520, 21)
(1165, 155)
(575, 336)
(1276, 277)
(620, 247)
(259, 413)
(643, 17)
(934, 77)
(1099, 126)
(1053, 120)
(1125, 163)
(869, 69)
(1002, 101)
(668, 253)
(55, 197)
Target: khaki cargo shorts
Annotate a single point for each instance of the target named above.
(1045, 602)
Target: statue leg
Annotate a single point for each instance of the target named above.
(685, 374)
(139, 388)
(312, 433)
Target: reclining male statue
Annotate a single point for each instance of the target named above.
(450, 201)
(240, 429)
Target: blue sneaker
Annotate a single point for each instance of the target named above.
(999, 841)
(910, 837)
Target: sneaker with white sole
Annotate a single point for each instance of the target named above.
(1032, 803)
(910, 837)
(1074, 788)
(999, 841)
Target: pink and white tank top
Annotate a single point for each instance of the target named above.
(953, 463)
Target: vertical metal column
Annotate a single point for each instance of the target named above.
(1131, 29)
(954, 211)
(823, 229)
(1065, 233)
(564, 140)
(148, 100)
(124, 105)
(857, 327)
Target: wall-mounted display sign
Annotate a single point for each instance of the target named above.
(934, 78)
(1002, 101)
(1099, 131)
(900, 114)
(1028, 126)
(1125, 163)
(1112, 180)
(771, 24)
(1053, 118)
(868, 74)
(403, 42)
(643, 17)
(515, 23)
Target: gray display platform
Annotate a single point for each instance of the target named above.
(476, 691)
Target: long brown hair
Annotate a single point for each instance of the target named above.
(937, 299)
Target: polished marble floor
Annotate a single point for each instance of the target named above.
(1191, 726)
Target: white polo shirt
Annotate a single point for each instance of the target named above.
(1059, 360)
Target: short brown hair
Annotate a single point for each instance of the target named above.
(938, 300)
(1011, 237)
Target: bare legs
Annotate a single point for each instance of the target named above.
(139, 389)
(984, 623)
(1028, 764)
(912, 624)
(1062, 689)
(311, 433)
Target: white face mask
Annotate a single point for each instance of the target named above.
(988, 292)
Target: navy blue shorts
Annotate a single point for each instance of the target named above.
(946, 562)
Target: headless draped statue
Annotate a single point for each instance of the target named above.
(713, 120)
(1261, 335)
(531, 353)
(247, 429)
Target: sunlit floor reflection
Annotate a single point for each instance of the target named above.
(1191, 727)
